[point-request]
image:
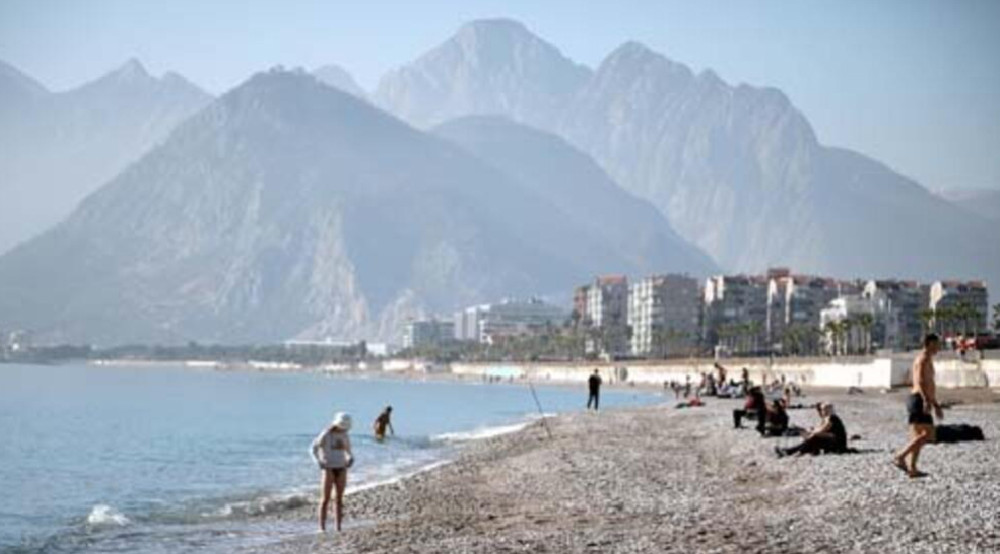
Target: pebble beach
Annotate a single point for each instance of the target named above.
(663, 479)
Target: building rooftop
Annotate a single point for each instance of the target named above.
(604, 280)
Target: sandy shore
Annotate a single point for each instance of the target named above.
(661, 479)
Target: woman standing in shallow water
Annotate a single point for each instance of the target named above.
(332, 451)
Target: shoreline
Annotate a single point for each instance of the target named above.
(660, 479)
(473, 379)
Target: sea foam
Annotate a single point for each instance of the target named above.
(480, 433)
(103, 514)
(265, 505)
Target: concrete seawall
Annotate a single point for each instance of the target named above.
(842, 372)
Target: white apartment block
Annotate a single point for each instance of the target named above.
(664, 315)
(486, 323)
(907, 299)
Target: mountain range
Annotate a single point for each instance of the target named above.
(288, 208)
(297, 205)
(55, 148)
(737, 170)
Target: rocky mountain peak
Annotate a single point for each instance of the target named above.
(494, 66)
(635, 58)
(14, 79)
(130, 72)
(494, 27)
(339, 78)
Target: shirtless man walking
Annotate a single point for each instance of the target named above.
(922, 400)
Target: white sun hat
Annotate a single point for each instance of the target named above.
(342, 420)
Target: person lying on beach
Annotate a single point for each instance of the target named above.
(693, 403)
(331, 450)
(830, 436)
(382, 422)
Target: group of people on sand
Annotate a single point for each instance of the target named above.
(715, 384)
(331, 450)
(830, 435)
(332, 447)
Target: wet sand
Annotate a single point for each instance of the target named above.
(660, 479)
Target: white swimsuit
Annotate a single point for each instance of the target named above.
(329, 449)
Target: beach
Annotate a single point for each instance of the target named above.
(662, 479)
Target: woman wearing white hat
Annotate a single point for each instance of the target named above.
(332, 451)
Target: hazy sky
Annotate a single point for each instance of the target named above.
(915, 84)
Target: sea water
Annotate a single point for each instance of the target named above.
(156, 458)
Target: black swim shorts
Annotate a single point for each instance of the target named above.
(915, 409)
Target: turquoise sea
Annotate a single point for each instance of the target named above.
(155, 458)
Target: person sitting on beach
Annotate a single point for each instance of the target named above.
(754, 406)
(830, 436)
(331, 450)
(776, 422)
(711, 388)
(382, 422)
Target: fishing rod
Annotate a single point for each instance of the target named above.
(540, 411)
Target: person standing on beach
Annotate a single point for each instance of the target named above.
(721, 371)
(594, 384)
(382, 422)
(331, 450)
(920, 403)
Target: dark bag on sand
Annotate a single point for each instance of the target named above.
(957, 433)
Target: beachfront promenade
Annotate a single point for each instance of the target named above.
(841, 372)
(662, 479)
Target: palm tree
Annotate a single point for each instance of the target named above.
(846, 327)
(753, 332)
(832, 329)
(960, 313)
(736, 337)
(817, 336)
(865, 321)
(721, 334)
(731, 333)
(949, 316)
(941, 316)
(927, 317)
(791, 340)
(972, 318)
